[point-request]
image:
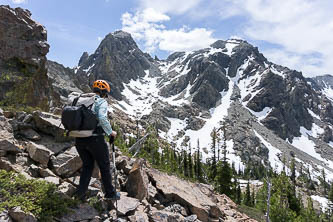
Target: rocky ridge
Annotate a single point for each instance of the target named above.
(23, 45)
(33, 145)
(189, 93)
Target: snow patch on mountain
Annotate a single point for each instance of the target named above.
(276, 72)
(230, 45)
(273, 155)
(176, 126)
(217, 115)
(232, 158)
(305, 144)
(140, 95)
(313, 114)
(323, 201)
(327, 91)
(262, 114)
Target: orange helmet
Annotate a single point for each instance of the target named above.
(101, 85)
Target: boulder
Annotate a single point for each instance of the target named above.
(30, 134)
(19, 215)
(189, 194)
(137, 182)
(67, 163)
(127, 204)
(152, 192)
(54, 180)
(140, 215)
(46, 172)
(6, 129)
(4, 217)
(176, 208)
(33, 170)
(54, 146)
(51, 125)
(8, 114)
(165, 216)
(39, 153)
(8, 145)
(122, 164)
(81, 213)
(192, 218)
(67, 188)
(5, 164)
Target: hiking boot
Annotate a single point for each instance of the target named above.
(113, 196)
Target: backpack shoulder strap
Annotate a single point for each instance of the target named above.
(75, 100)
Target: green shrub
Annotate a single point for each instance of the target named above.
(35, 196)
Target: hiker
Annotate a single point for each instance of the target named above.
(95, 148)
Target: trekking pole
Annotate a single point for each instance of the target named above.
(115, 174)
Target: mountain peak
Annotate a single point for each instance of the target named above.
(121, 34)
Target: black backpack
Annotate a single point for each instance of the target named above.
(78, 117)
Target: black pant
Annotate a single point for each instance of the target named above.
(91, 149)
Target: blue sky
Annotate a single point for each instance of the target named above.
(294, 33)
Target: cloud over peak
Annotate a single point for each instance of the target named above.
(147, 26)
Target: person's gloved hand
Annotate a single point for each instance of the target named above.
(112, 136)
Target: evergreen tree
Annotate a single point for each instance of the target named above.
(199, 169)
(293, 170)
(213, 170)
(279, 204)
(185, 163)
(190, 163)
(247, 197)
(238, 195)
(330, 194)
(323, 182)
(309, 214)
(253, 201)
(224, 178)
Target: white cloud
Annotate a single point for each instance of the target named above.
(169, 6)
(301, 27)
(147, 27)
(310, 65)
(19, 1)
(99, 38)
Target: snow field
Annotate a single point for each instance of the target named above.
(273, 154)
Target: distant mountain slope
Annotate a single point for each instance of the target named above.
(269, 112)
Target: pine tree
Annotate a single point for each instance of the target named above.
(185, 163)
(199, 170)
(247, 197)
(323, 181)
(309, 214)
(190, 162)
(253, 197)
(224, 174)
(238, 195)
(279, 204)
(293, 171)
(213, 170)
(330, 194)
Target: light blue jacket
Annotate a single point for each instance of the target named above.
(101, 110)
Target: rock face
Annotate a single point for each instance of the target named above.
(117, 59)
(63, 80)
(23, 46)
